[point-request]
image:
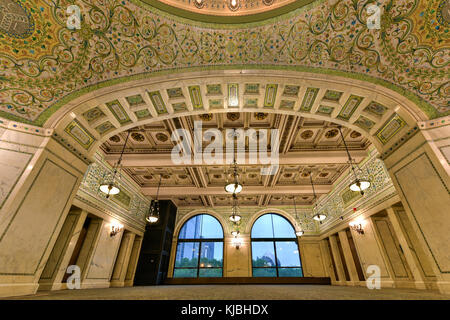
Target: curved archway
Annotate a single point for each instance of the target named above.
(275, 251)
(200, 248)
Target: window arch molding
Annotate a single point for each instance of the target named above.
(256, 216)
(200, 246)
(185, 218)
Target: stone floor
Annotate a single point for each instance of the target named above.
(238, 292)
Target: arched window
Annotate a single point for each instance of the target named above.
(275, 248)
(200, 248)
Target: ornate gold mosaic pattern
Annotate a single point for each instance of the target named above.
(44, 61)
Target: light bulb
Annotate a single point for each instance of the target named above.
(233, 188)
(109, 189)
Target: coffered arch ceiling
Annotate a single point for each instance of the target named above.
(44, 66)
(382, 116)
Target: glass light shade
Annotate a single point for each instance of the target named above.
(152, 219)
(299, 233)
(319, 217)
(109, 189)
(233, 188)
(235, 217)
(359, 185)
(235, 233)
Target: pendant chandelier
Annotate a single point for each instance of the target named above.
(300, 232)
(110, 186)
(317, 215)
(153, 215)
(359, 183)
(235, 217)
(235, 186)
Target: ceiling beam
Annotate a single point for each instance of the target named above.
(292, 158)
(165, 192)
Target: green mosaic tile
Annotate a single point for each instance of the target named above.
(215, 103)
(118, 111)
(179, 107)
(333, 95)
(196, 97)
(325, 110)
(376, 108)
(270, 96)
(251, 103)
(143, 114)
(251, 88)
(390, 128)
(158, 102)
(175, 93)
(93, 114)
(105, 127)
(291, 91)
(350, 107)
(135, 100)
(308, 99)
(213, 89)
(364, 123)
(287, 104)
(76, 130)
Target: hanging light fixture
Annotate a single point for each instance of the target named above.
(317, 215)
(300, 232)
(233, 5)
(235, 217)
(110, 187)
(235, 233)
(153, 215)
(235, 186)
(359, 184)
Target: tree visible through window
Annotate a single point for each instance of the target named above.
(200, 248)
(274, 248)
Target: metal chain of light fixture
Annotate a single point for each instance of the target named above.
(359, 184)
(153, 215)
(317, 215)
(111, 187)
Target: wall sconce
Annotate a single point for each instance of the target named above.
(236, 242)
(357, 226)
(115, 229)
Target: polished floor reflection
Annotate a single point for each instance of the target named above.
(240, 292)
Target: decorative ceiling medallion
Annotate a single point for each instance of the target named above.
(233, 5)
(15, 20)
(215, 103)
(287, 104)
(326, 110)
(291, 91)
(332, 95)
(331, 133)
(233, 116)
(136, 136)
(251, 103)
(251, 88)
(268, 2)
(175, 93)
(307, 134)
(206, 117)
(115, 139)
(161, 137)
(261, 115)
(199, 3)
(355, 134)
(179, 107)
(390, 128)
(79, 134)
(364, 123)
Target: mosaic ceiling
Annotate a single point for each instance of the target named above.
(44, 65)
(306, 145)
